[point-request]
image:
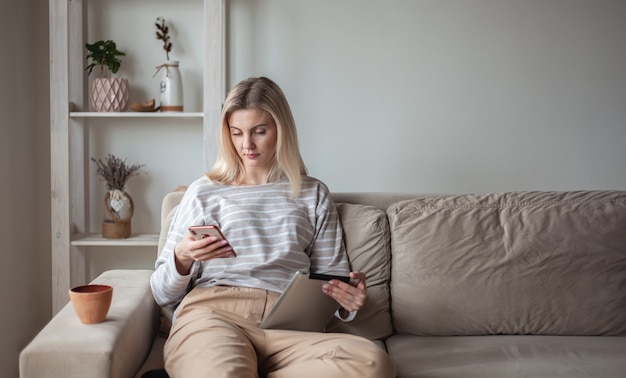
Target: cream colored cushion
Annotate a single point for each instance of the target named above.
(366, 235)
(512, 263)
(168, 209)
(508, 356)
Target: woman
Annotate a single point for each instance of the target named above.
(277, 221)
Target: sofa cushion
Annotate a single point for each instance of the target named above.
(169, 206)
(508, 356)
(366, 235)
(168, 210)
(551, 263)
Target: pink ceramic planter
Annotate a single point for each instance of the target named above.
(109, 95)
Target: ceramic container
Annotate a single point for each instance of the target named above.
(171, 88)
(91, 302)
(109, 95)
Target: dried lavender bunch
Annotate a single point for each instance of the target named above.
(115, 172)
(162, 33)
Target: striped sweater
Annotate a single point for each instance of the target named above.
(273, 235)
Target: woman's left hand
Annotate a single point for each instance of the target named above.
(351, 296)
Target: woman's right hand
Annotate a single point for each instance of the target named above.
(189, 250)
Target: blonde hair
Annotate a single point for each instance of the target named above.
(260, 93)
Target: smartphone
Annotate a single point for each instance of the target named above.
(201, 232)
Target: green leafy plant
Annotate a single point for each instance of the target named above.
(162, 34)
(115, 172)
(105, 55)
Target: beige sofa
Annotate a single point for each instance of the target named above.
(527, 284)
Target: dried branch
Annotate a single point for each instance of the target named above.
(162, 34)
(115, 172)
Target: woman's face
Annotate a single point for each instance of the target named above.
(253, 133)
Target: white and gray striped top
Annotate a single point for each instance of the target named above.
(272, 233)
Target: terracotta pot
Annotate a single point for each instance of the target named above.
(109, 94)
(91, 302)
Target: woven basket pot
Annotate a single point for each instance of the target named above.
(118, 211)
(116, 230)
(109, 95)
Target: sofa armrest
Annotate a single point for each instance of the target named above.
(114, 348)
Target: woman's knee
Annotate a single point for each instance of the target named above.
(367, 358)
(381, 366)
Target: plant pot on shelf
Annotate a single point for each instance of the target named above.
(118, 211)
(109, 94)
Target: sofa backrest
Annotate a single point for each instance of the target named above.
(366, 238)
(510, 263)
(168, 209)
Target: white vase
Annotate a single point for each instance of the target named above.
(171, 87)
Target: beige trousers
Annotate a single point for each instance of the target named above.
(216, 334)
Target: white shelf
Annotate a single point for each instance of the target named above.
(136, 115)
(69, 147)
(96, 240)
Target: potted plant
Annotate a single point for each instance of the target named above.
(118, 204)
(107, 94)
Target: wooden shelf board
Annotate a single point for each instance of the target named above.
(136, 115)
(96, 240)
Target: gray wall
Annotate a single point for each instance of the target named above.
(446, 96)
(25, 182)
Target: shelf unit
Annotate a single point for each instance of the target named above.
(67, 134)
